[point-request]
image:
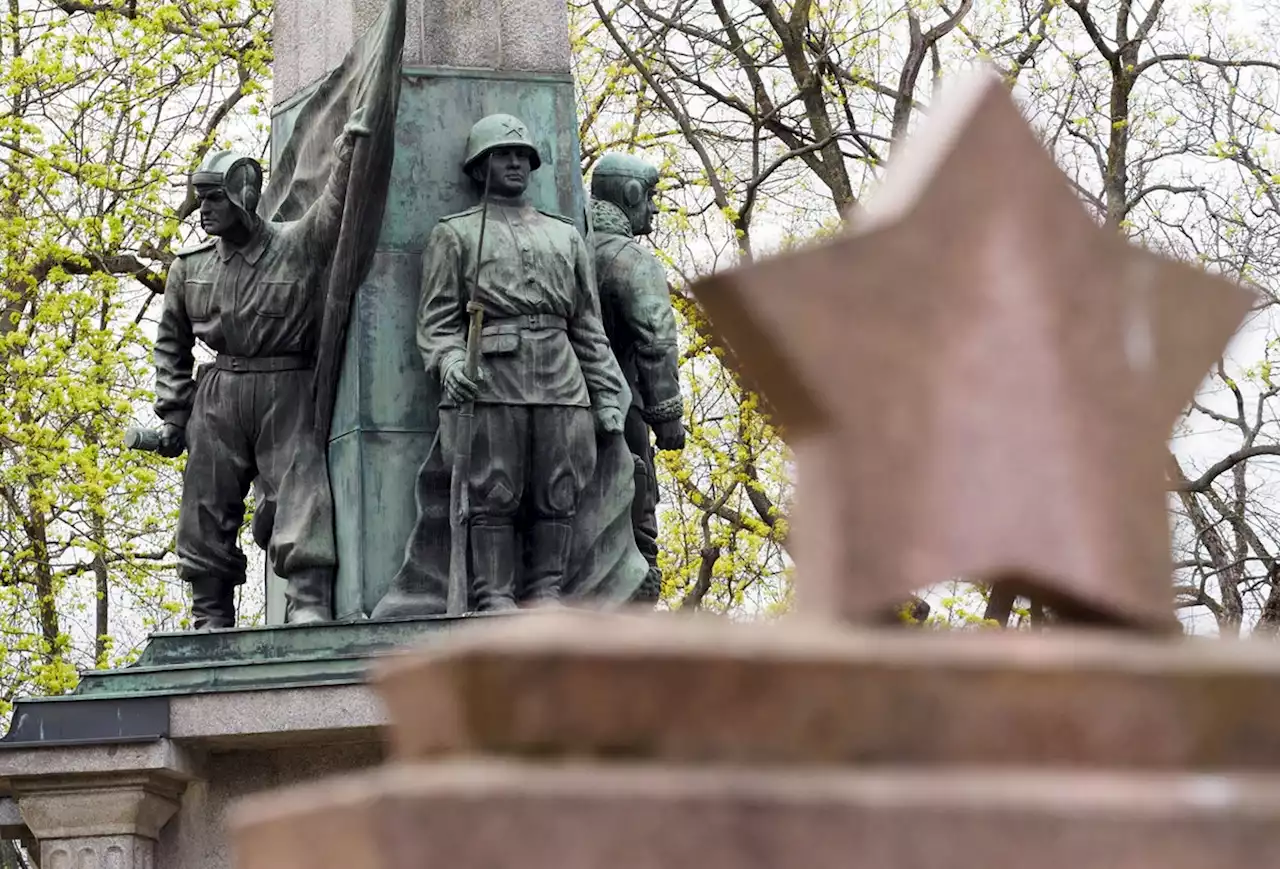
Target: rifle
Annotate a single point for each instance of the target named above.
(459, 488)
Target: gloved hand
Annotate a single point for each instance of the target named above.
(669, 434)
(608, 420)
(173, 440)
(458, 386)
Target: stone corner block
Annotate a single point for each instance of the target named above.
(78, 807)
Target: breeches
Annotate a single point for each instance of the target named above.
(245, 426)
(530, 459)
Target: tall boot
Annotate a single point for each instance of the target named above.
(644, 522)
(548, 560)
(493, 562)
(213, 603)
(308, 595)
(650, 590)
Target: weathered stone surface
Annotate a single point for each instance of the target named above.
(197, 837)
(112, 800)
(98, 852)
(297, 716)
(471, 815)
(104, 821)
(76, 808)
(161, 756)
(9, 814)
(535, 37)
(311, 36)
(676, 690)
(462, 33)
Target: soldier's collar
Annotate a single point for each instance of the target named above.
(519, 203)
(251, 250)
(608, 218)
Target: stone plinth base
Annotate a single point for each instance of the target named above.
(161, 804)
(137, 768)
(583, 742)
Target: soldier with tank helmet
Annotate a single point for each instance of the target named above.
(250, 293)
(639, 320)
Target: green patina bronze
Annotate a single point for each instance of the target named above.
(385, 418)
(279, 656)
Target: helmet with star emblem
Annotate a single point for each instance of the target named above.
(499, 131)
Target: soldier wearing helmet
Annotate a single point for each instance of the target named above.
(548, 384)
(248, 293)
(641, 326)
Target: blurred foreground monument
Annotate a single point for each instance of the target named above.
(974, 285)
(136, 768)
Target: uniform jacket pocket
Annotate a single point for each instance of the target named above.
(274, 298)
(198, 297)
(499, 343)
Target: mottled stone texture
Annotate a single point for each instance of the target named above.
(97, 822)
(197, 837)
(630, 686)
(162, 805)
(98, 852)
(311, 36)
(473, 815)
(463, 59)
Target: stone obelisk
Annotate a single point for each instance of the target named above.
(463, 59)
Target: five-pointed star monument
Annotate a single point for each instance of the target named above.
(977, 379)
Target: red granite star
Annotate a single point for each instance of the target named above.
(978, 380)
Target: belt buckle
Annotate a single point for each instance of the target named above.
(533, 321)
(235, 364)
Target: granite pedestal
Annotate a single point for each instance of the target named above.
(135, 770)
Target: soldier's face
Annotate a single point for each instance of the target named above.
(217, 215)
(645, 214)
(508, 171)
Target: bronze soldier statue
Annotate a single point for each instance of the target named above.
(641, 326)
(251, 294)
(548, 382)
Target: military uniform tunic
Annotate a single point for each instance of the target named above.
(250, 414)
(543, 342)
(546, 365)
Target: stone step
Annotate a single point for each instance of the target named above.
(693, 691)
(473, 814)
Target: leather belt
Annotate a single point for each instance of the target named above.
(526, 321)
(261, 364)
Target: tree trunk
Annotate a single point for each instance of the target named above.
(100, 575)
(50, 629)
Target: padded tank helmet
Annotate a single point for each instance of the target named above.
(499, 131)
(623, 179)
(612, 170)
(240, 178)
